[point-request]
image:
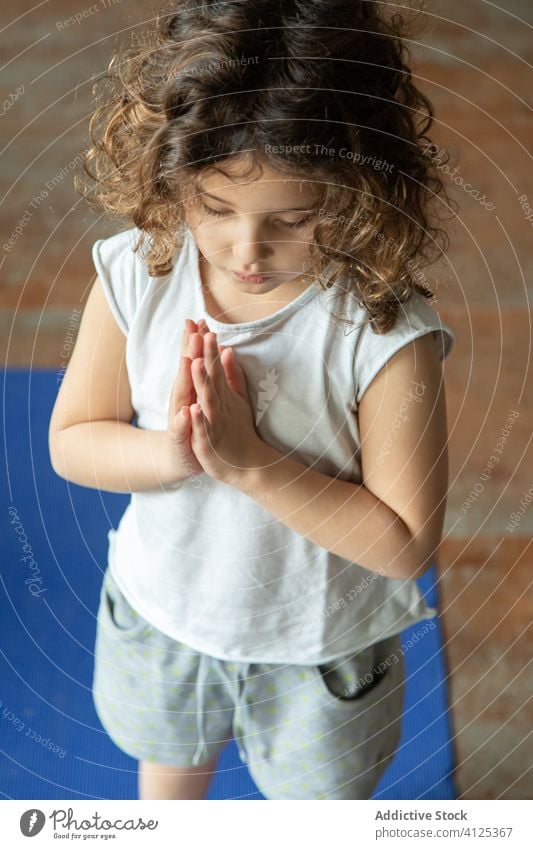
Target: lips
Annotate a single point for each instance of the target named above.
(252, 278)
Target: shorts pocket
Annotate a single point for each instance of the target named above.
(119, 617)
(354, 679)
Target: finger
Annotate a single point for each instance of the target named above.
(213, 363)
(182, 385)
(198, 379)
(205, 390)
(202, 329)
(187, 385)
(199, 422)
(208, 353)
(197, 345)
(224, 368)
(190, 327)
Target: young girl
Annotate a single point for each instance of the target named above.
(288, 466)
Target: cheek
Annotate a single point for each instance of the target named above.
(209, 243)
(297, 252)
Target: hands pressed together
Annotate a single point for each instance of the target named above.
(210, 418)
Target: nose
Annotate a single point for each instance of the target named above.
(250, 247)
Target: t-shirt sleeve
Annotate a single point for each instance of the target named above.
(120, 271)
(415, 318)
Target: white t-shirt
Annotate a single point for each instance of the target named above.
(200, 560)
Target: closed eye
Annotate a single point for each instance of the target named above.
(218, 214)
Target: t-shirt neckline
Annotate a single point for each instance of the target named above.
(213, 323)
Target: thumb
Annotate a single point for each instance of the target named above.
(180, 440)
(181, 427)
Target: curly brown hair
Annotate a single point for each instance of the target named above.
(326, 82)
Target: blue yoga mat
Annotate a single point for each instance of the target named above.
(54, 552)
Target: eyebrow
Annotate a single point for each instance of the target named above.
(292, 208)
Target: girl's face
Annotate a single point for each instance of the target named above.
(254, 227)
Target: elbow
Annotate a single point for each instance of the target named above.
(415, 549)
(52, 447)
(421, 556)
(59, 472)
(56, 467)
(54, 452)
(419, 545)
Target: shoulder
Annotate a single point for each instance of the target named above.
(122, 252)
(123, 274)
(372, 351)
(117, 250)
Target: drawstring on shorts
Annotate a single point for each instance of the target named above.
(203, 667)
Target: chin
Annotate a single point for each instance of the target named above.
(270, 284)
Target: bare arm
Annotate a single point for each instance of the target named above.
(115, 456)
(91, 439)
(392, 522)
